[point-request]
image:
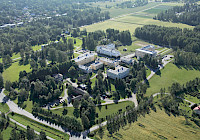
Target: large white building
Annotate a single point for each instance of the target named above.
(150, 50)
(108, 62)
(108, 50)
(85, 58)
(119, 72)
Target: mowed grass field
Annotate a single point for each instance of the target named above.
(156, 125)
(12, 73)
(171, 73)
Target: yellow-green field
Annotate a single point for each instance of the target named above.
(156, 125)
(12, 73)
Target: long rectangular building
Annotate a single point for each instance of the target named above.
(108, 50)
(85, 58)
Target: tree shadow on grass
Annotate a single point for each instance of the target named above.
(188, 67)
(158, 73)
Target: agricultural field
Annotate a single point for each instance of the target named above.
(169, 74)
(58, 135)
(156, 125)
(135, 17)
(12, 73)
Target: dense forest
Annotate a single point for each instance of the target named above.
(103, 38)
(21, 10)
(187, 14)
(174, 37)
(44, 28)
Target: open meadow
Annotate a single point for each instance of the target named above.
(156, 125)
(171, 73)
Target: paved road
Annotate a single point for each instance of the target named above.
(13, 107)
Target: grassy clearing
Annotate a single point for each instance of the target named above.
(36, 47)
(27, 105)
(4, 107)
(53, 133)
(12, 73)
(112, 108)
(171, 73)
(6, 133)
(156, 125)
(130, 49)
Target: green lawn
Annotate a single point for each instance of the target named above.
(6, 133)
(12, 73)
(4, 107)
(171, 73)
(148, 72)
(53, 133)
(112, 108)
(130, 49)
(27, 105)
(102, 112)
(155, 126)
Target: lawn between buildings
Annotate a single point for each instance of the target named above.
(156, 125)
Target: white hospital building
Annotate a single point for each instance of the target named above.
(119, 72)
(108, 50)
(150, 50)
(84, 58)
